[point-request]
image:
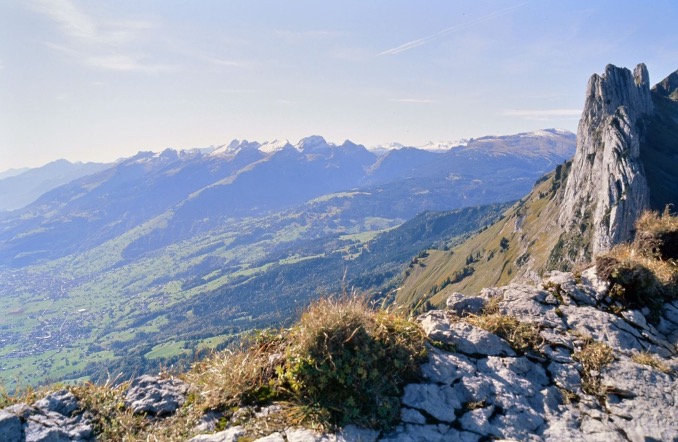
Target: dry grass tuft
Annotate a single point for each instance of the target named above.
(106, 404)
(593, 356)
(657, 235)
(644, 273)
(649, 359)
(239, 376)
(343, 362)
(523, 337)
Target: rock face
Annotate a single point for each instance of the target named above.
(52, 418)
(476, 392)
(606, 188)
(155, 396)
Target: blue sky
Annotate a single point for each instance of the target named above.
(94, 81)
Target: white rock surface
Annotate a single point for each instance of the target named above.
(607, 184)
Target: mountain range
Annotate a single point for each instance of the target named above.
(162, 254)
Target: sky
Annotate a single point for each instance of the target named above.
(100, 80)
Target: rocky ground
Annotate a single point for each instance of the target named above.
(595, 372)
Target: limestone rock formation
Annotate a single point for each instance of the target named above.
(471, 394)
(52, 418)
(606, 188)
(156, 396)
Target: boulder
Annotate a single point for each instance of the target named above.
(462, 305)
(156, 396)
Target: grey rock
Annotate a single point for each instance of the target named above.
(155, 396)
(606, 178)
(274, 437)
(598, 286)
(475, 341)
(411, 416)
(462, 305)
(351, 433)
(439, 401)
(306, 435)
(436, 325)
(478, 421)
(230, 435)
(62, 402)
(565, 376)
(518, 422)
(528, 304)
(446, 368)
(668, 323)
(465, 337)
(39, 433)
(430, 433)
(650, 410)
(21, 410)
(478, 388)
(636, 318)
(600, 431)
(602, 326)
(579, 293)
(11, 429)
(51, 418)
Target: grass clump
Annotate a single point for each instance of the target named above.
(649, 359)
(658, 234)
(593, 356)
(350, 362)
(644, 273)
(522, 336)
(106, 406)
(342, 363)
(240, 376)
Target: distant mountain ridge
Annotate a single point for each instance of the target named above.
(195, 190)
(23, 186)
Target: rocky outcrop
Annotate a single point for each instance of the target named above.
(52, 418)
(155, 396)
(475, 386)
(476, 391)
(606, 189)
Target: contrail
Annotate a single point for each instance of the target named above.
(422, 41)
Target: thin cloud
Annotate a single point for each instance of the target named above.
(98, 45)
(542, 114)
(121, 62)
(412, 100)
(72, 21)
(425, 40)
(286, 102)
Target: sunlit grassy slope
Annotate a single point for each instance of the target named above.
(517, 246)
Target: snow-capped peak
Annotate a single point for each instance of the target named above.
(546, 133)
(234, 147)
(313, 143)
(432, 146)
(442, 146)
(274, 146)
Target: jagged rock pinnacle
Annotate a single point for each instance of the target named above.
(607, 189)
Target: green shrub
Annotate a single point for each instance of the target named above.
(351, 363)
